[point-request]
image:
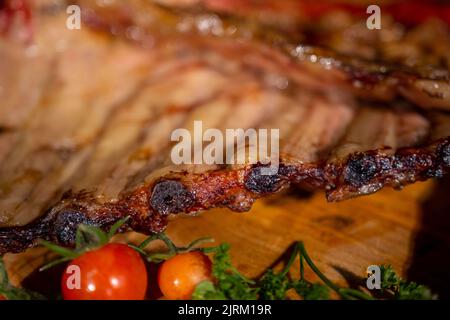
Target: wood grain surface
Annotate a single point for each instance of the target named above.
(408, 229)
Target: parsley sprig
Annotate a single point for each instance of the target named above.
(11, 292)
(401, 289)
(230, 284)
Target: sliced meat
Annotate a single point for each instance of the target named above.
(58, 136)
(92, 145)
(144, 22)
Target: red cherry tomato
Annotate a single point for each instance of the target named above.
(113, 272)
(179, 275)
(2, 298)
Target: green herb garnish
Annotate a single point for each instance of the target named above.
(401, 289)
(172, 248)
(11, 292)
(230, 284)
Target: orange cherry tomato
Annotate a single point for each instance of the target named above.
(113, 272)
(179, 275)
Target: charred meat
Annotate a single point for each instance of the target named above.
(86, 115)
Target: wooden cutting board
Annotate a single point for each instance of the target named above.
(408, 229)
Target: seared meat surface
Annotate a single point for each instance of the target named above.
(86, 116)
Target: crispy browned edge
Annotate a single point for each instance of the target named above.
(150, 205)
